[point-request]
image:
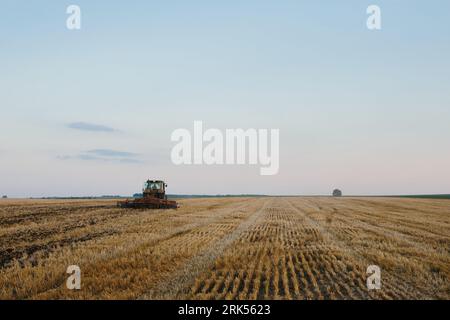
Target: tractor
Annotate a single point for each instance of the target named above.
(153, 197)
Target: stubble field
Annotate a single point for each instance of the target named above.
(227, 248)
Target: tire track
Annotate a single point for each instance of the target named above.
(180, 282)
(403, 288)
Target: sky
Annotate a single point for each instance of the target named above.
(91, 111)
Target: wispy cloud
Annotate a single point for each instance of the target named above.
(84, 126)
(111, 153)
(105, 155)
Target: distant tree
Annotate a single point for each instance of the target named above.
(5, 197)
(337, 193)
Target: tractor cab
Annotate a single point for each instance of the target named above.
(155, 189)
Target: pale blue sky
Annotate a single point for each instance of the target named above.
(366, 111)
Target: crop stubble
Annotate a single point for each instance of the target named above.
(227, 248)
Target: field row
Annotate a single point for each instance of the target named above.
(227, 248)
